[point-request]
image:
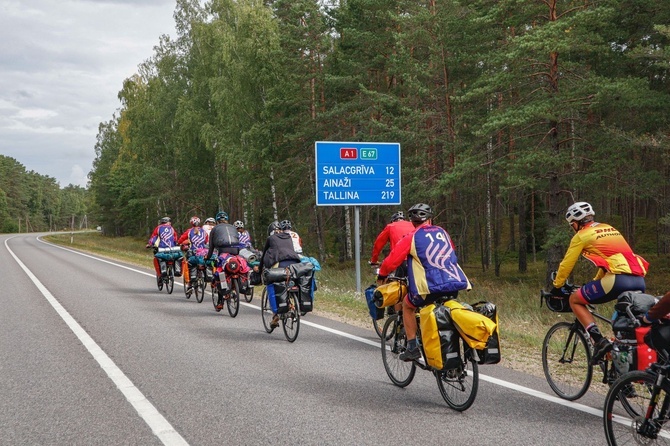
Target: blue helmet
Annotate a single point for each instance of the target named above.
(221, 216)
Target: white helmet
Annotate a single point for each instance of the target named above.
(578, 211)
(238, 224)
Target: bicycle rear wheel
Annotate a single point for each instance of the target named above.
(459, 386)
(233, 302)
(394, 342)
(291, 319)
(266, 311)
(626, 406)
(199, 287)
(169, 285)
(249, 295)
(566, 358)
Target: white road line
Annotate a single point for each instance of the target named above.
(497, 381)
(158, 424)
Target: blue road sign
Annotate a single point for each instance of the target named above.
(357, 173)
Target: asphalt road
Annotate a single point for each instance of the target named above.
(91, 353)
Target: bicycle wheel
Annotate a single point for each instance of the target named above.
(626, 406)
(169, 285)
(159, 282)
(291, 319)
(199, 287)
(566, 360)
(266, 311)
(215, 295)
(249, 295)
(233, 302)
(394, 342)
(459, 386)
(379, 323)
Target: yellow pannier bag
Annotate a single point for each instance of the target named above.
(439, 338)
(389, 294)
(474, 328)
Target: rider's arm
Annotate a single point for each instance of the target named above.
(569, 260)
(380, 242)
(184, 237)
(659, 310)
(397, 255)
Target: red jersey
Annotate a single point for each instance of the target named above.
(392, 233)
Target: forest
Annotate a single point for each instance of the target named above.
(33, 202)
(506, 111)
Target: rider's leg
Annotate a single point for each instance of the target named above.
(409, 320)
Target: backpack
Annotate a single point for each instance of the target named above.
(224, 235)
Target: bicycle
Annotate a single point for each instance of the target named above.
(637, 405)
(567, 351)
(230, 294)
(458, 386)
(200, 283)
(290, 320)
(169, 256)
(387, 312)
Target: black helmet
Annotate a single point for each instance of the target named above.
(285, 225)
(165, 220)
(397, 216)
(274, 226)
(420, 212)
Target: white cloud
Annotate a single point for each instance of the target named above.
(62, 64)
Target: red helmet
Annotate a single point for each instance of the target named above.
(195, 221)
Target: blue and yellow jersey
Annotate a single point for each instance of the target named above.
(606, 248)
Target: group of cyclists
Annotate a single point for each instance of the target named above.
(425, 254)
(215, 241)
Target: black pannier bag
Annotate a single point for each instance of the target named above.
(439, 338)
(281, 297)
(255, 278)
(305, 284)
(491, 353)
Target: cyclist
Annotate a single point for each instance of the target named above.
(243, 234)
(224, 239)
(619, 270)
(279, 252)
(433, 270)
(208, 225)
(163, 236)
(287, 227)
(194, 240)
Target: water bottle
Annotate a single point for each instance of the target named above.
(621, 359)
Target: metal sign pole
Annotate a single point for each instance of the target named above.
(357, 246)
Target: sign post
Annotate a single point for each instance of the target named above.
(357, 174)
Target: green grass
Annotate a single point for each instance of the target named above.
(523, 323)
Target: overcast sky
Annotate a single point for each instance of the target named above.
(62, 64)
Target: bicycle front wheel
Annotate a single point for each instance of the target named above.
(566, 361)
(459, 386)
(249, 296)
(291, 319)
(394, 342)
(626, 407)
(233, 302)
(170, 279)
(379, 323)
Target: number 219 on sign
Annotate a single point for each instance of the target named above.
(387, 195)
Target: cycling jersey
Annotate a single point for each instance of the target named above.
(606, 248)
(197, 236)
(297, 242)
(245, 239)
(164, 236)
(392, 233)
